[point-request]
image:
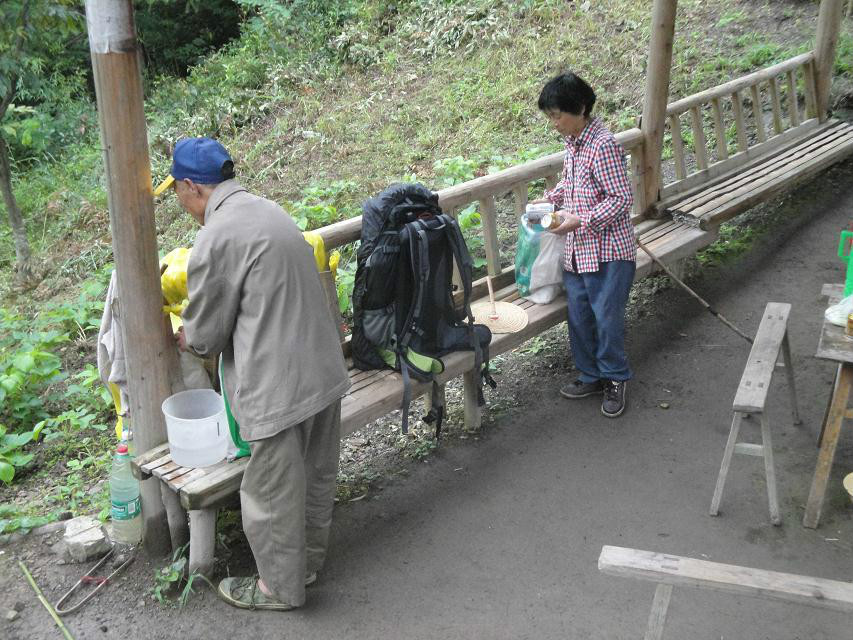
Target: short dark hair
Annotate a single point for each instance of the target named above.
(567, 93)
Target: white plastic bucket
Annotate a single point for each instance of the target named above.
(197, 427)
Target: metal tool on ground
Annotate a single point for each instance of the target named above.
(43, 600)
(701, 300)
(499, 317)
(88, 578)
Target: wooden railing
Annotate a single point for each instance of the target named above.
(488, 189)
(708, 110)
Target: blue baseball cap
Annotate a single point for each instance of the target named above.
(202, 160)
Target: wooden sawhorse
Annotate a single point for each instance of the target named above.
(751, 396)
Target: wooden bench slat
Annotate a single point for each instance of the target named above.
(755, 382)
(726, 184)
(176, 473)
(789, 164)
(682, 571)
(176, 484)
(140, 464)
(208, 489)
(164, 469)
(809, 166)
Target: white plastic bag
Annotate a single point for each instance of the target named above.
(837, 313)
(538, 262)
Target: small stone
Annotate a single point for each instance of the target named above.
(141, 603)
(104, 628)
(664, 405)
(85, 539)
(10, 615)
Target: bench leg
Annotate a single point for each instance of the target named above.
(789, 371)
(179, 530)
(202, 541)
(657, 616)
(473, 410)
(727, 459)
(769, 470)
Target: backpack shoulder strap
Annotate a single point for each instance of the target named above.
(463, 260)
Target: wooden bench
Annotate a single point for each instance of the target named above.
(199, 492)
(751, 398)
(669, 571)
(797, 146)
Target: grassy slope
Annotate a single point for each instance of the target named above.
(367, 125)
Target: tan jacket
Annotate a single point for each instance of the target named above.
(256, 298)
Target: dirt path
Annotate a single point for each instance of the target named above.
(498, 537)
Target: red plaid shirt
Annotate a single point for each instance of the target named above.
(595, 187)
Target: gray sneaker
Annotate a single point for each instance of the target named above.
(581, 389)
(613, 403)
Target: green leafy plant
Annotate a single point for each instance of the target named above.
(11, 455)
(13, 518)
(345, 284)
(168, 579)
(470, 224)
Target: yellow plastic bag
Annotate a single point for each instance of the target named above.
(316, 241)
(173, 282)
(174, 279)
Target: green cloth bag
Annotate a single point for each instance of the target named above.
(243, 449)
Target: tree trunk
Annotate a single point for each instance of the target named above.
(23, 263)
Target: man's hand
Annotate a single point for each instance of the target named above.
(181, 339)
(570, 223)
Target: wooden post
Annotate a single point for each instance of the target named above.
(656, 96)
(828, 23)
(150, 351)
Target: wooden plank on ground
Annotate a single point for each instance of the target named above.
(755, 381)
(727, 578)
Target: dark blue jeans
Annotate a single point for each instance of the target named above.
(597, 319)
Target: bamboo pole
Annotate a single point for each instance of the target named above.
(150, 350)
(828, 24)
(656, 95)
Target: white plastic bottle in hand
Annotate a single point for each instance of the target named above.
(125, 508)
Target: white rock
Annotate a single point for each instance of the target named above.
(10, 615)
(85, 539)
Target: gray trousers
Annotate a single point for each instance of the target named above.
(287, 496)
